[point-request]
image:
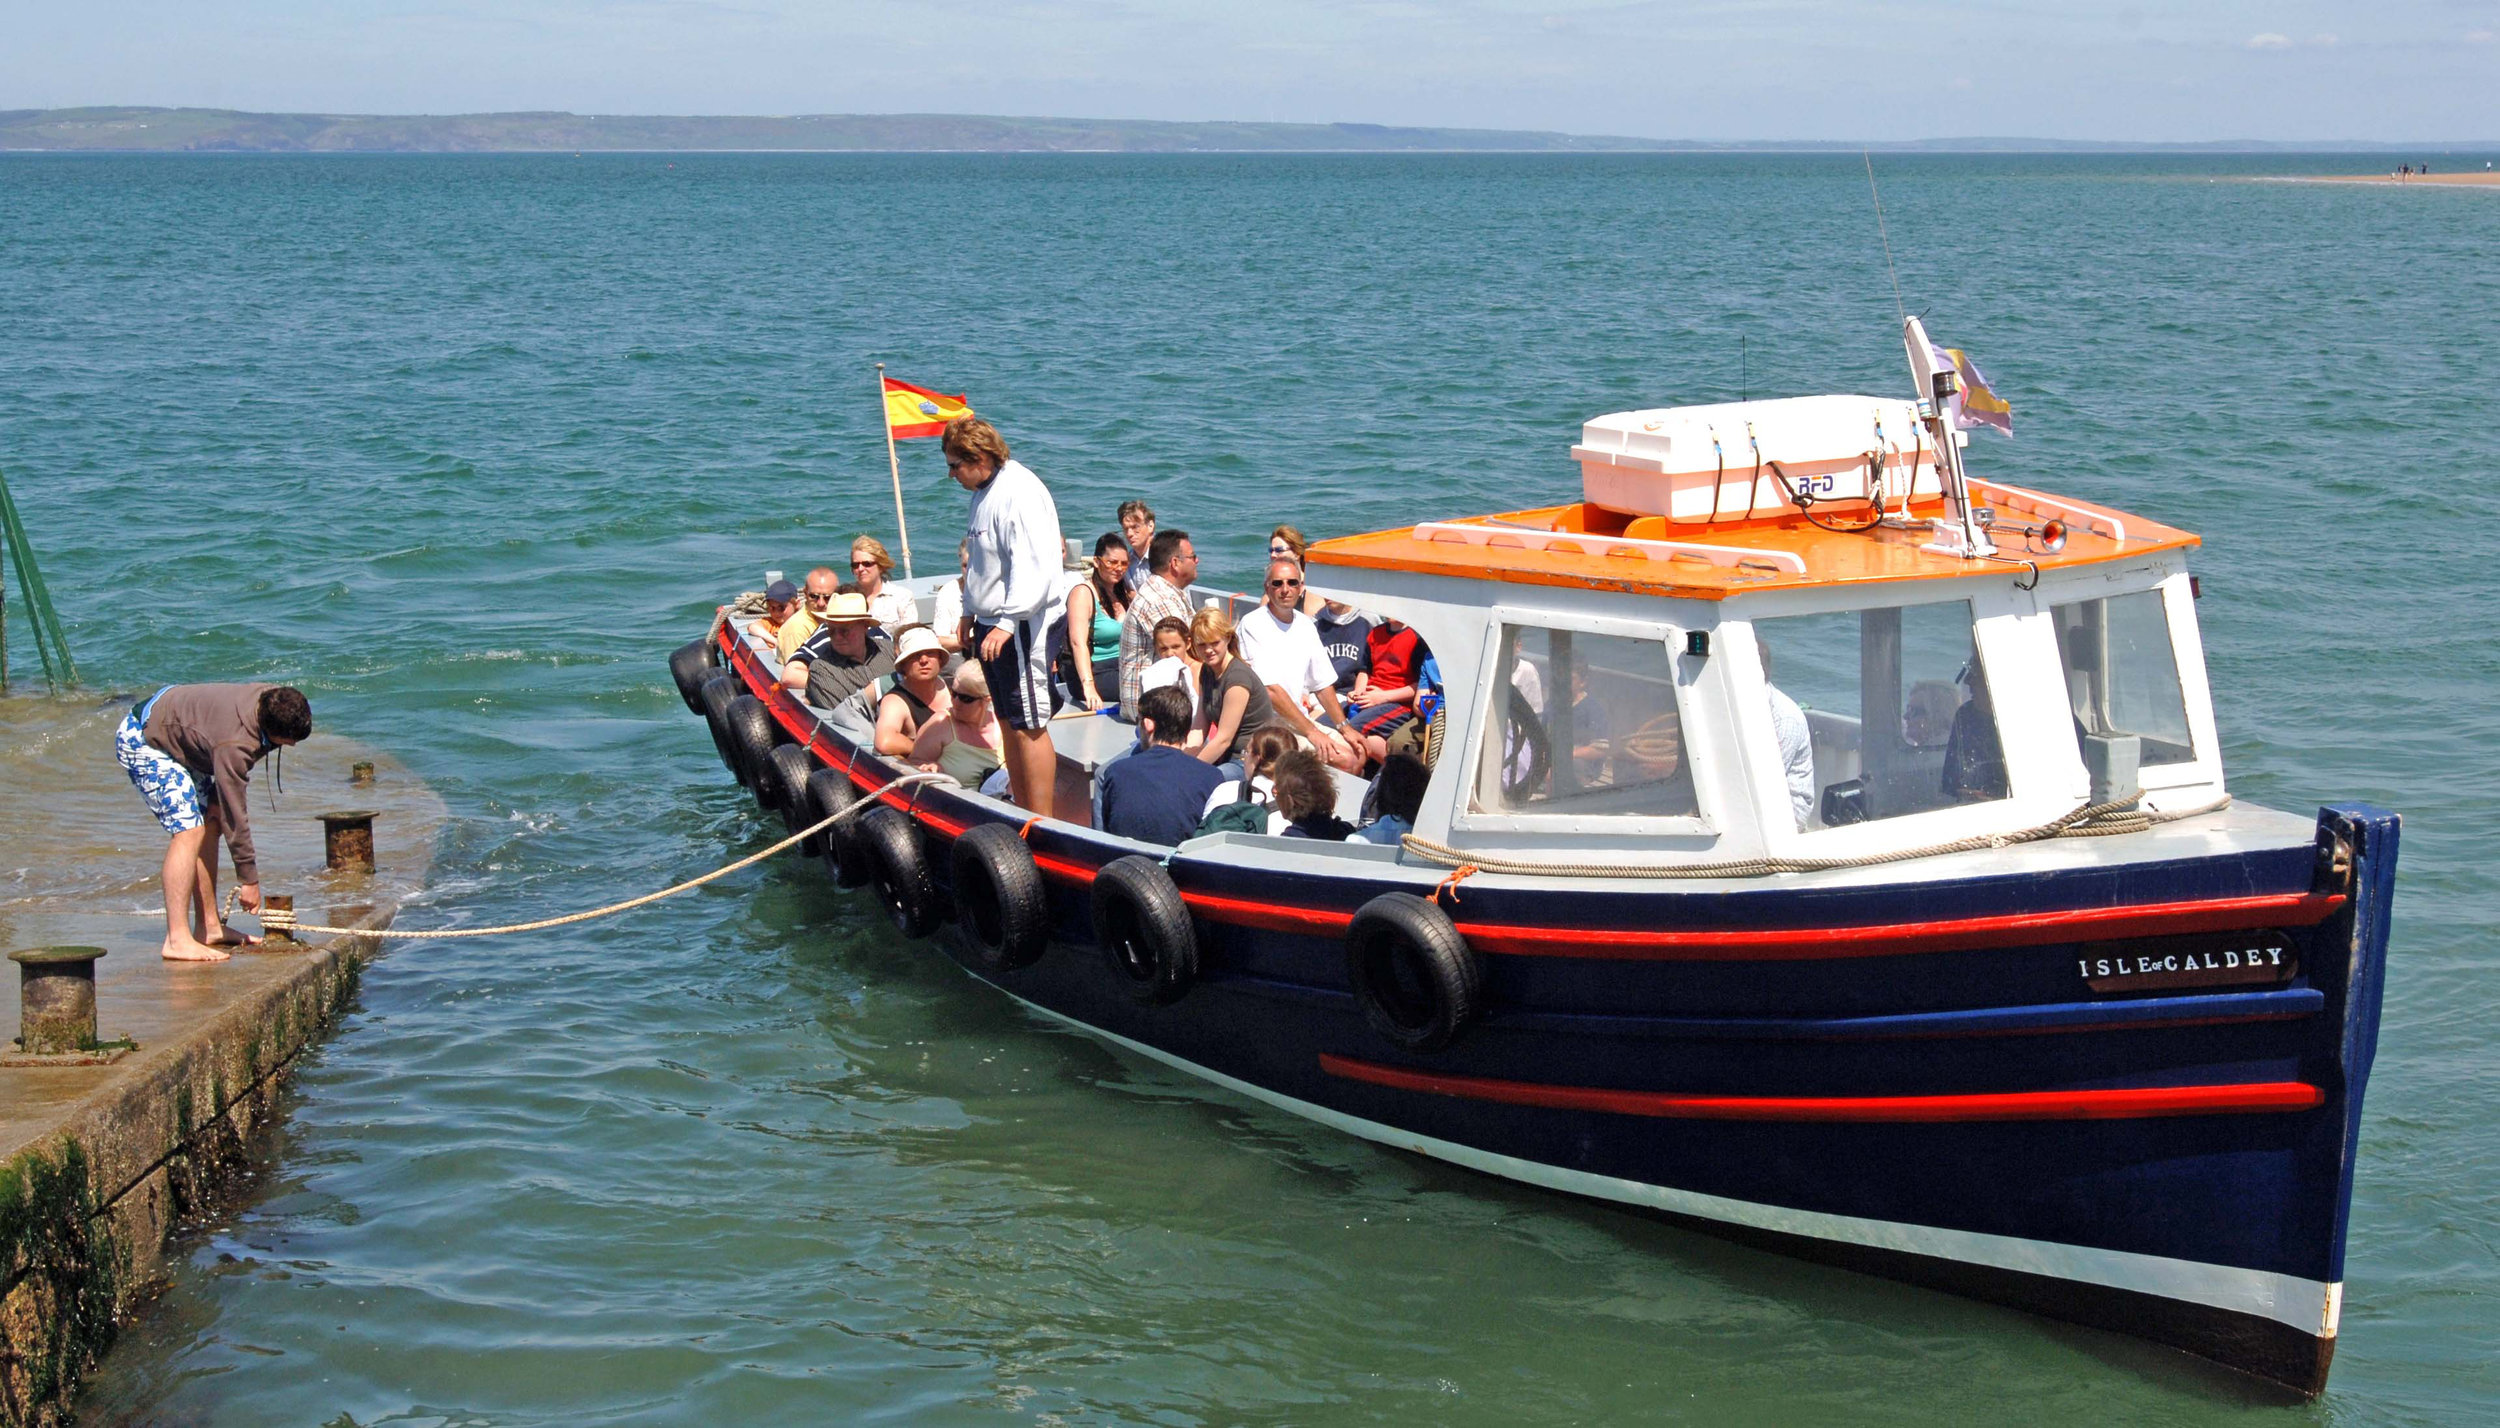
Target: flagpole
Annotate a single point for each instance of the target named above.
(894, 462)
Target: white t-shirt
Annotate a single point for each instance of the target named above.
(1290, 657)
(893, 607)
(1796, 742)
(1016, 557)
(950, 608)
(1171, 669)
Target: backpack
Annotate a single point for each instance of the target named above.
(1245, 814)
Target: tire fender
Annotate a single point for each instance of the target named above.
(889, 844)
(716, 694)
(1002, 911)
(827, 792)
(1415, 977)
(786, 769)
(750, 729)
(1144, 930)
(690, 665)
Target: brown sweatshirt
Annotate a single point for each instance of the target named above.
(214, 731)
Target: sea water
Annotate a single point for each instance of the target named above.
(465, 445)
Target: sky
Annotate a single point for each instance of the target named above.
(2390, 70)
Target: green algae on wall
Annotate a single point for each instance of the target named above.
(61, 1272)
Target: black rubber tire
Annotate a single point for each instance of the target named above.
(1417, 980)
(1144, 930)
(822, 794)
(1002, 911)
(889, 843)
(690, 666)
(786, 768)
(750, 729)
(716, 694)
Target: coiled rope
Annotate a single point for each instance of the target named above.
(277, 920)
(2097, 820)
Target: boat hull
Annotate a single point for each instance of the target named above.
(1916, 1080)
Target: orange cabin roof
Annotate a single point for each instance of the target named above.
(1598, 549)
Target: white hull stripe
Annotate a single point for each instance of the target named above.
(2308, 1305)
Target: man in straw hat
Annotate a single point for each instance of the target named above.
(847, 653)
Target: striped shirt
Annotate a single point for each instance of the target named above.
(1157, 600)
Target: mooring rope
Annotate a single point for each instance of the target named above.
(2098, 820)
(280, 920)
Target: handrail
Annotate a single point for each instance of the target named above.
(2091, 518)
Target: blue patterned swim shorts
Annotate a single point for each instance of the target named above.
(161, 780)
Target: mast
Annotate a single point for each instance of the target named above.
(1959, 533)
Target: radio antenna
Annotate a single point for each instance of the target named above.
(1897, 305)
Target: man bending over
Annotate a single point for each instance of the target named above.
(191, 750)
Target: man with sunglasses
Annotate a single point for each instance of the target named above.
(821, 583)
(1283, 647)
(1010, 575)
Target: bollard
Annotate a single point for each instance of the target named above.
(56, 999)
(276, 902)
(347, 840)
(360, 772)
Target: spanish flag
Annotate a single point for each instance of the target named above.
(917, 411)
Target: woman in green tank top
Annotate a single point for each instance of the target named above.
(1094, 611)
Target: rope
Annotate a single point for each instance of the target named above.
(2099, 820)
(276, 921)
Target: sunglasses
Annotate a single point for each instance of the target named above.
(963, 698)
(816, 599)
(862, 564)
(1284, 585)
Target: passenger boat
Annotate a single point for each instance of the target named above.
(2003, 995)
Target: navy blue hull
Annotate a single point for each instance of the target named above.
(1915, 1079)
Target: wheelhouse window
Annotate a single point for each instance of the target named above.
(2122, 674)
(1879, 713)
(1583, 723)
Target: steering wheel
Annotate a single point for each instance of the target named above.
(1524, 731)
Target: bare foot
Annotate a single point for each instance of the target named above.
(188, 949)
(228, 937)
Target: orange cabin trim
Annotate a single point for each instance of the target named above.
(1831, 558)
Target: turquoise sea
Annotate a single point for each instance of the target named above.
(466, 445)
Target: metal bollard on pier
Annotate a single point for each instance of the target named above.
(347, 840)
(56, 1004)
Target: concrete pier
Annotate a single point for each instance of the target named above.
(101, 1163)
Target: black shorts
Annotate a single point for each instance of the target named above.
(1019, 677)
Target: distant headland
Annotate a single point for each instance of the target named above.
(143, 129)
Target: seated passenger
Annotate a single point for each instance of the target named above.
(1384, 693)
(845, 655)
(964, 745)
(1974, 763)
(781, 603)
(1095, 606)
(1307, 796)
(1287, 543)
(1157, 794)
(814, 596)
(1397, 796)
(1796, 742)
(1282, 645)
(1254, 789)
(1927, 715)
(1592, 731)
(1164, 593)
(1232, 700)
(891, 604)
(1172, 663)
(1137, 528)
(918, 696)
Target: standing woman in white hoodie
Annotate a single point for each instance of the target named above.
(1010, 573)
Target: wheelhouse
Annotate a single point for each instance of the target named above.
(1620, 675)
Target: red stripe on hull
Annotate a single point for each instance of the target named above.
(2125, 1103)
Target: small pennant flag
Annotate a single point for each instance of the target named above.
(1978, 405)
(916, 411)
